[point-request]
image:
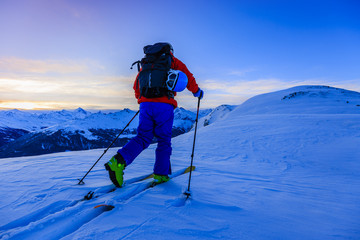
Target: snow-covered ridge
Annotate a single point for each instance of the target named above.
(304, 100)
(40, 120)
(215, 115)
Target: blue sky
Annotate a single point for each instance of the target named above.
(68, 54)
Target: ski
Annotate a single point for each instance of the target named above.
(139, 187)
(111, 187)
(175, 174)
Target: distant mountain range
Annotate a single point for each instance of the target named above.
(26, 133)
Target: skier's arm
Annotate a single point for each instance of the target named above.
(192, 86)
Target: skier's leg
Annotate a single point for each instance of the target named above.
(163, 125)
(143, 138)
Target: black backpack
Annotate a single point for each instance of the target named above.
(154, 70)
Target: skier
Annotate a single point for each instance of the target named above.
(156, 111)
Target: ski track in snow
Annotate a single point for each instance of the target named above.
(288, 175)
(56, 219)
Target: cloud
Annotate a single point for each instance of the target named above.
(251, 87)
(63, 83)
(241, 73)
(86, 83)
(245, 87)
(353, 84)
(20, 65)
(67, 95)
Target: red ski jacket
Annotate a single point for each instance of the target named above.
(176, 64)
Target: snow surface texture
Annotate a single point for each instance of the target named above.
(280, 166)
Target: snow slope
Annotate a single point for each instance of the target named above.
(265, 171)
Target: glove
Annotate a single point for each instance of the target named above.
(199, 94)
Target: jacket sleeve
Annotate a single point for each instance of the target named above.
(192, 86)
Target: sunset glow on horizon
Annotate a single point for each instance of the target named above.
(36, 106)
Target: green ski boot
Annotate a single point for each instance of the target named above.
(116, 167)
(160, 178)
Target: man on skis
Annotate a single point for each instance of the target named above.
(157, 106)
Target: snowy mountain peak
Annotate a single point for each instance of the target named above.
(80, 110)
(216, 114)
(305, 100)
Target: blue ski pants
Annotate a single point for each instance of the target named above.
(155, 119)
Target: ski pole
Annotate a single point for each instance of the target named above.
(81, 180)
(187, 193)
